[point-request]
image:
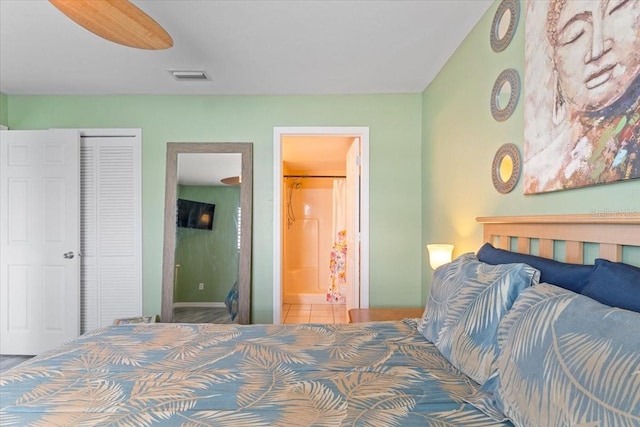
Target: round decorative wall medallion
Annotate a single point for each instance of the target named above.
(504, 24)
(505, 94)
(505, 169)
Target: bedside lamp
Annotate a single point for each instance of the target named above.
(439, 254)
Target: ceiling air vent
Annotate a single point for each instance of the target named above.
(189, 75)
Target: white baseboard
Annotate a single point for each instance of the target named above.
(199, 304)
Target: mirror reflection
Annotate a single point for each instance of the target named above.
(207, 238)
(504, 95)
(207, 258)
(505, 23)
(506, 168)
(503, 26)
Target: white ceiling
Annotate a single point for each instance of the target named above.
(208, 168)
(250, 47)
(246, 47)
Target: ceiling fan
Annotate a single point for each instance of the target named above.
(119, 21)
(232, 180)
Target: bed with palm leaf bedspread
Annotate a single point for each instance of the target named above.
(494, 347)
(382, 373)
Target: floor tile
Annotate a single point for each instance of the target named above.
(296, 319)
(321, 319)
(298, 311)
(8, 362)
(322, 309)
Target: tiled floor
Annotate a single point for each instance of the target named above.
(201, 315)
(314, 313)
(8, 362)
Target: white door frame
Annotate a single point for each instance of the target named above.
(278, 133)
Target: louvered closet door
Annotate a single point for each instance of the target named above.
(111, 277)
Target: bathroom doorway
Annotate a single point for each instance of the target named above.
(321, 221)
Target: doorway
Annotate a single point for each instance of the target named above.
(293, 171)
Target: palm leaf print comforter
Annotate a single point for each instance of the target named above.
(368, 374)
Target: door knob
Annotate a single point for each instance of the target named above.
(68, 255)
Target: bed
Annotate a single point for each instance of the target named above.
(445, 369)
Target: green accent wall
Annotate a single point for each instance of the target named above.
(208, 256)
(460, 138)
(394, 158)
(4, 111)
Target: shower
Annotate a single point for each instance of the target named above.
(307, 238)
(294, 184)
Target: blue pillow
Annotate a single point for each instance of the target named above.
(467, 300)
(569, 276)
(615, 284)
(564, 360)
(231, 301)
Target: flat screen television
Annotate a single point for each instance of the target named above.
(192, 214)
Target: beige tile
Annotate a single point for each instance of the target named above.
(322, 309)
(293, 311)
(321, 319)
(344, 318)
(296, 319)
(339, 309)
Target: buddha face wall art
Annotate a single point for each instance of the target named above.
(582, 93)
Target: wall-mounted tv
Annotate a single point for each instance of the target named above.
(192, 214)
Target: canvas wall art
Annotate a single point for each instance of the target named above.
(582, 93)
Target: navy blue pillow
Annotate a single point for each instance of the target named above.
(569, 276)
(615, 284)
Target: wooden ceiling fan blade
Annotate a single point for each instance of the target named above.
(119, 21)
(232, 180)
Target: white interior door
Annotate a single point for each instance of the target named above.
(39, 240)
(353, 225)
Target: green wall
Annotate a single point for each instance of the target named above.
(4, 112)
(460, 138)
(395, 169)
(208, 256)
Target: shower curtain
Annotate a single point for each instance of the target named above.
(338, 261)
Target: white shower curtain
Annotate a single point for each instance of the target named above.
(338, 261)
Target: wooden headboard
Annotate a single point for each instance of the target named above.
(610, 231)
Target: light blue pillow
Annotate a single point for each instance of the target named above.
(564, 360)
(467, 300)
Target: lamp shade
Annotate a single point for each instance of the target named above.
(439, 254)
